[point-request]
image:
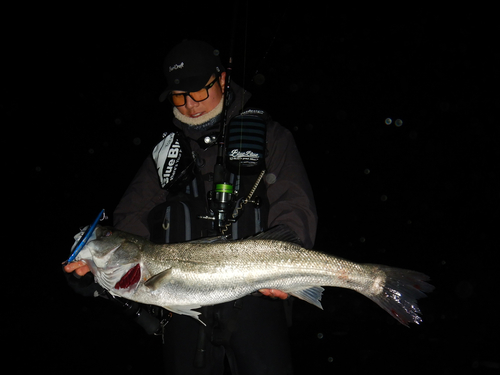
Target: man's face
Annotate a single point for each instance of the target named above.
(195, 109)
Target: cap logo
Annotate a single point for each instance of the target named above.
(175, 67)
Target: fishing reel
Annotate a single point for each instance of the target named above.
(225, 206)
(242, 153)
(221, 202)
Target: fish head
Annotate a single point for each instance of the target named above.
(111, 255)
(112, 248)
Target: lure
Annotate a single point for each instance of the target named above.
(83, 239)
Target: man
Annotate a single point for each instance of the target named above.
(252, 333)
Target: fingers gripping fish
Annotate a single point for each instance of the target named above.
(185, 276)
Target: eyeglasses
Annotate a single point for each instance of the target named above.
(179, 100)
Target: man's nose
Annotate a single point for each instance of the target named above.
(190, 103)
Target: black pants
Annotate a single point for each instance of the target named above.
(252, 332)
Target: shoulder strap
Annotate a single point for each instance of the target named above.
(174, 161)
(246, 142)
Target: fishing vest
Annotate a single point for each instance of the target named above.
(179, 218)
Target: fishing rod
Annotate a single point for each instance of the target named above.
(245, 135)
(221, 197)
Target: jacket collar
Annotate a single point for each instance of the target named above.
(241, 97)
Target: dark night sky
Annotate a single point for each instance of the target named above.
(81, 97)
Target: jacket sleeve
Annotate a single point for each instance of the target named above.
(141, 196)
(289, 190)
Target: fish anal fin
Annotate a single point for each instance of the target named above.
(186, 310)
(159, 279)
(310, 294)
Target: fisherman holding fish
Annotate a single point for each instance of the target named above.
(175, 197)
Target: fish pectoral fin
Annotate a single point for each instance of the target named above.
(186, 310)
(159, 279)
(310, 294)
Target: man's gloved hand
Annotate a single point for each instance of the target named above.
(274, 293)
(81, 280)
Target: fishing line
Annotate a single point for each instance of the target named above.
(245, 48)
(266, 53)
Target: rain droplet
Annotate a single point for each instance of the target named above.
(259, 79)
(399, 122)
(330, 359)
(91, 151)
(270, 178)
(362, 239)
(320, 335)
(137, 141)
(388, 121)
(366, 171)
(383, 198)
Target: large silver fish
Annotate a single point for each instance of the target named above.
(184, 276)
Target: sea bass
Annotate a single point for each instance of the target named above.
(182, 277)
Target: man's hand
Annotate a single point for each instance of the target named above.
(274, 293)
(81, 268)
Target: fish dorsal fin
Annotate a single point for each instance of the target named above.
(159, 279)
(279, 233)
(311, 295)
(207, 240)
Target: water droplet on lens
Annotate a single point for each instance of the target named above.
(388, 121)
(399, 122)
(320, 335)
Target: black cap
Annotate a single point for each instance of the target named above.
(189, 66)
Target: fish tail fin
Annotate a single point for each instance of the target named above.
(399, 293)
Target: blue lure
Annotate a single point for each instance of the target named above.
(88, 233)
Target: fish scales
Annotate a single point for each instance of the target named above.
(182, 277)
(261, 263)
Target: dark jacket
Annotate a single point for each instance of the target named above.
(289, 191)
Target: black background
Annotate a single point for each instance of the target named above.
(80, 113)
